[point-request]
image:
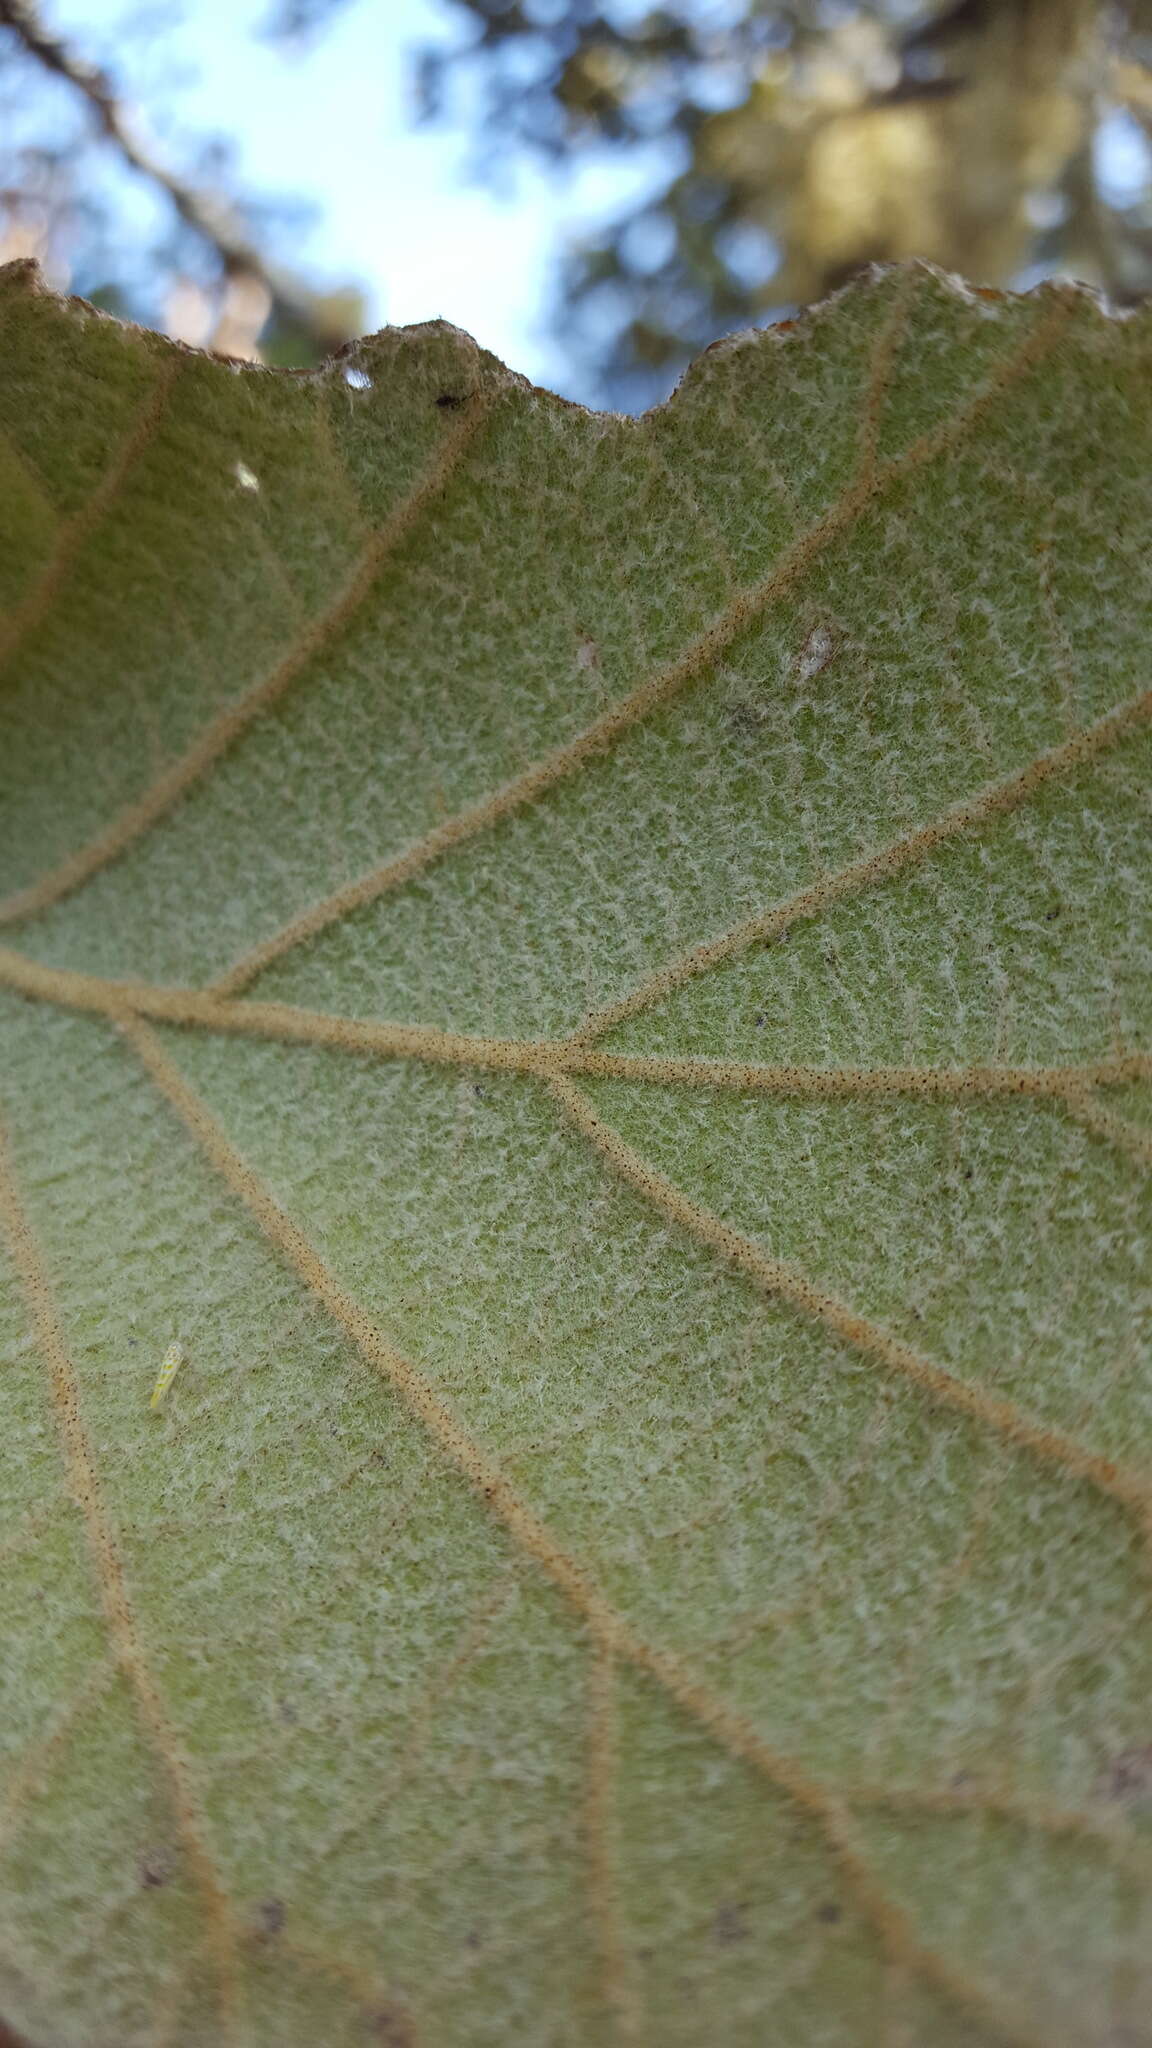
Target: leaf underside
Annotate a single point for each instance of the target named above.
(595, 976)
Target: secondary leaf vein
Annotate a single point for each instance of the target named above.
(115, 1597)
(1051, 1446)
(609, 1630)
(222, 732)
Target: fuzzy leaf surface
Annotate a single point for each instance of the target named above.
(594, 976)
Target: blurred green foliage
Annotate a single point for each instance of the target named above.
(806, 140)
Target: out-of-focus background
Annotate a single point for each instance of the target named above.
(594, 188)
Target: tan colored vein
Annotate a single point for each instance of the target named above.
(1070, 1086)
(659, 688)
(34, 607)
(223, 731)
(894, 1925)
(617, 1990)
(1081, 1102)
(556, 767)
(610, 1632)
(977, 1081)
(115, 1598)
(417, 1392)
(883, 864)
(1050, 1446)
(198, 1007)
(884, 353)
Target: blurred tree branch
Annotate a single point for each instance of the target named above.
(255, 288)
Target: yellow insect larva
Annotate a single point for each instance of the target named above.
(173, 1360)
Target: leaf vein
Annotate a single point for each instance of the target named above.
(1049, 1445)
(228, 726)
(116, 1601)
(609, 1630)
(1071, 1086)
(34, 607)
(657, 689)
(883, 864)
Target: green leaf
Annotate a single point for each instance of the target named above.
(595, 976)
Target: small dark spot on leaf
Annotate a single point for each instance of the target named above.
(760, 1022)
(730, 1924)
(155, 1868)
(747, 720)
(1128, 1779)
(450, 401)
(270, 1917)
(1050, 914)
(830, 1913)
(392, 2027)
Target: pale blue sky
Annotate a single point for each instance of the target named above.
(333, 124)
